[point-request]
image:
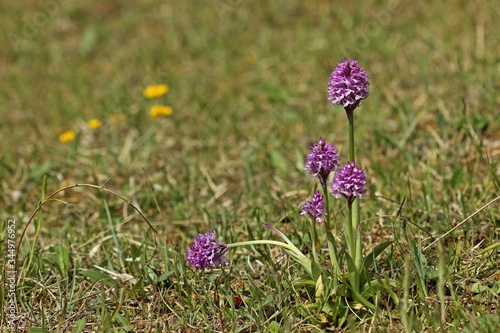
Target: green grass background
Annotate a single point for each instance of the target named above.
(248, 88)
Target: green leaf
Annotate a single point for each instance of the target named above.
(138, 286)
(478, 288)
(319, 288)
(273, 327)
(79, 325)
(269, 300)
(332, 248)
(360, 298)
(457, 178)
(354, 281)
(164, 276)
(342, 313)
(316, 270)
(106, 321)
(38, 330)
(61, 259)
(124, 321)
(419, 261)
(370, 257)
(487, 323)
(371, 288)
(304, 281)
(294, 252)
(351, 267)
(40, 171)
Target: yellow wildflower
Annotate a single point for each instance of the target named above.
(158, 111)
(67, 136)
(94, 123)
(155, 91)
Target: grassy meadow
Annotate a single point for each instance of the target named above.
(247, 90)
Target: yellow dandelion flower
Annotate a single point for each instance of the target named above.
(158, 111)
(94, 123)
(155, 91)
(67, 136)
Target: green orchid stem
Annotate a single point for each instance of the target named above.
(352, 158)
(327, 206)
(356, 229)
(351, 243)
(328, 230)
(293, 251)
(315, 241)
(355, 205)
(354, 270)
(350, 117)
(262, 242)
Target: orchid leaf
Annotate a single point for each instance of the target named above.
(370, 257)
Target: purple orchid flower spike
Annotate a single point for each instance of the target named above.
(349, 182)
(348, 85)
(322, 160)
(206, 252)
(314, 207)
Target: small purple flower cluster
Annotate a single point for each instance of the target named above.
(349, 183)
(206, 252)
(322, 160)
(314, 207)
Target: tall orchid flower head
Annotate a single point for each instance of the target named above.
(314, 207)
(349, 182)
(206, 252)
(322, 160)
(348, 85)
